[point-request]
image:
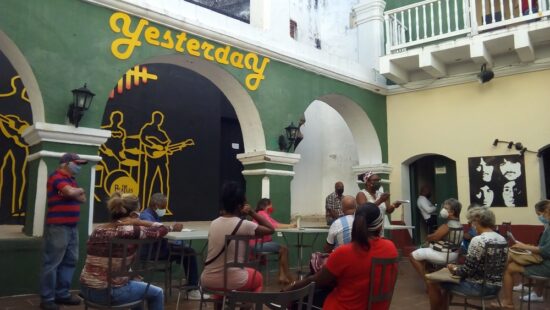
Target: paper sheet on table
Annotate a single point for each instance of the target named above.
(186, 229)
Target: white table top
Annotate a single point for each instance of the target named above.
(304, 230)
(188, 235)
(397, 227)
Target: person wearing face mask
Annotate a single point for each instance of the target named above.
(542, 209)
(427, 209)
(155, 211)
(60, 254)
(372, 194)
(264, 208)
(333, 203)
(439, 241)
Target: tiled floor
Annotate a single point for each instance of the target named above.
(409, 295)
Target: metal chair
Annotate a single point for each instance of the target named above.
(275, 300)
(530, 280)
(234, 245)
(263, 257)
(451, 244)
(386, 268)
(126, 260)
(492, 257)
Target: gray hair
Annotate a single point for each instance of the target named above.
(157, 199)
(483, 216)
(454, 205)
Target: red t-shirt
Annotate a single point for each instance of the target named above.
(351, 266)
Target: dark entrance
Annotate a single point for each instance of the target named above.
(173, 131)
(439, 173)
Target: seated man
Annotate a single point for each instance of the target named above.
(156, 210)
(339, 232)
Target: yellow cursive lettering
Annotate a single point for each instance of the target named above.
(151, 35)
(207, 47)
(193, 47)
(253, 80)
(222, 55)
(169, 41)
(131, 38)
(236, 59)
(182, 37)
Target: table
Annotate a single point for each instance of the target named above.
(187, 235)
(300, 232)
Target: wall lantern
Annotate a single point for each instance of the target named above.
(518, 146)
(82, 99)
(485, 75)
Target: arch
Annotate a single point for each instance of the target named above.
(360, 125)
(247, 114)
(22, 67)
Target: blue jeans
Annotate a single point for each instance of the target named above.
(189, 262)
(132, 291)
(60, 255)
(470, 289)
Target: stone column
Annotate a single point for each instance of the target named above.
(268, 175)
(368, 17)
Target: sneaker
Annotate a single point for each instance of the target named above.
(70, 301)
(49, 305)
(534, 297)
(518, 288)
(196, 295)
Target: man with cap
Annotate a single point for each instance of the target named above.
(372, 194)
(60, 253)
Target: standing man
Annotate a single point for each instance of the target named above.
(427, 209)
(372, 194)
(339, 232)
(60, 253)
(333, 203)
(156, 210)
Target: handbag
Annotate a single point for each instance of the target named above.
(317, 261)
(525, 259)
(443, 275)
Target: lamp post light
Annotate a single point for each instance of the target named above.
(291, 131)
(82, 99)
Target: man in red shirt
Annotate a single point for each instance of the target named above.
(60, 253)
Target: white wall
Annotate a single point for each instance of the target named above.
(327, 152)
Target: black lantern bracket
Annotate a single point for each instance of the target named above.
(82, 99)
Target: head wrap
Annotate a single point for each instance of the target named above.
(367, 175)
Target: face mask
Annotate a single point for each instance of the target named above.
(376, 186)
(444, 213)
(160, 212)
(339, 192)
(474, 227)
(74, 168)
(543, 220)
(270, 210)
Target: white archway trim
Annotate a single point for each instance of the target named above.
(40, 200)
(24, 70)
(273, 157)
(42, 132)
(376, 168)
(247, 114)
(269, 172)
(364, 133)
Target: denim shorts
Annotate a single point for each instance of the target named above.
(470, 289)
(270, 246)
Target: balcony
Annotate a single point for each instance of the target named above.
(437, 39)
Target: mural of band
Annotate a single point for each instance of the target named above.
(498, 181)
(15, 117)
(167, 126)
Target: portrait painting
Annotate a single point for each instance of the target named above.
(497, 181)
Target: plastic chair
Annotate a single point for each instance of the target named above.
(126, 260)
(491, 258)
(275, 300)
(236, 244)
(530, 280)
(383, 290)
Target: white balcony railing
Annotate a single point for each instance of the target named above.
(435, 20)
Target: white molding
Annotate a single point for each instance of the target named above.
(41, 132)
(273, 157)
(40, 200)
(367, 11)
(357, 76)
(376, 168)
(269, 172)
(42, 154)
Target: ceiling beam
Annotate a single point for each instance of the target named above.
(431, 65)
(524, 47)
(479, 53)
(392, 71)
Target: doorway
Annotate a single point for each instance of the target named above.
(439, 174)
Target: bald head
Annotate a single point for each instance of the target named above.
(348, 205)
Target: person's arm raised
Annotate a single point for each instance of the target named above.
(264, 226)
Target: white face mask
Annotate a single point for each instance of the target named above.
(444, 213)
(160, 212)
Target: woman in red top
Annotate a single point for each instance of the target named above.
(348, 268)
(265, 208)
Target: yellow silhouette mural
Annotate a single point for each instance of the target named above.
(139, 163)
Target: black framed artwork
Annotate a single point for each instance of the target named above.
(497, 181)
